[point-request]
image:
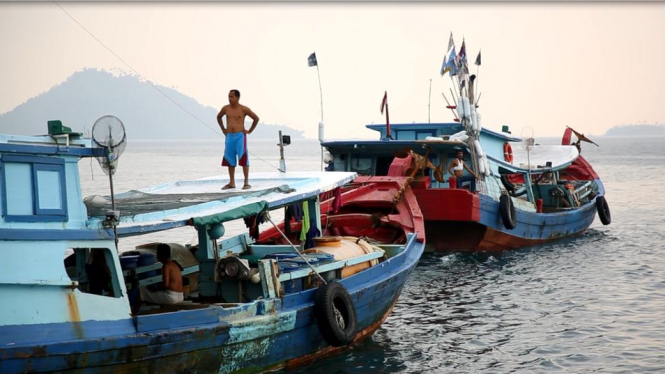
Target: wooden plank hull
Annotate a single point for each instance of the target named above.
(262, 335)
(488, 233)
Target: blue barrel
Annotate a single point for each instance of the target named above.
(147, 259)
(287, 267)
(129, 262)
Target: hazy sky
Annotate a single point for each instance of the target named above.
(545, 65)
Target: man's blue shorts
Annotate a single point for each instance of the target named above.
(235, 148)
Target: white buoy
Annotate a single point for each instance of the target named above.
(479, 149)
(479, 121)
(467, 107)
(321, 132)
(460, 108)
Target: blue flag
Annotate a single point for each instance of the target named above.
(449, 64)
(311, 60)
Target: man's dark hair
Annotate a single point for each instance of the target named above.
(237, 93)
(163, 251)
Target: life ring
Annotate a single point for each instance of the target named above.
(508, 152)
(335, 314)
(603, 210)
(507, 212)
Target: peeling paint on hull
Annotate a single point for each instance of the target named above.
(245, 341)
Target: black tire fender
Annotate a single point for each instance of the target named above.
(335, 314)
(603, 210)
(507, 212)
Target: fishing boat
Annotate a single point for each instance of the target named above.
(525, 193)
(248, 306)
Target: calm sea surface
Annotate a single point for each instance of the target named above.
(595, 303)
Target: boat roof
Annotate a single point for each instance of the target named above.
(391, 145)
(560, 156)
(178, 203)
(62, 145)
(436, 126)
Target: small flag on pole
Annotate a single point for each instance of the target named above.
(311, 60)
(451, 43)
(462, 51)
(478, 59)
(384, 102)
(449, 63)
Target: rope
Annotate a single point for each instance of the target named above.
(150, 83)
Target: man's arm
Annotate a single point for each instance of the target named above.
(219, 119)
(254, 117)
(450, 167)
(470, 171)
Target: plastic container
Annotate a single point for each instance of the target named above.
(281, 255)
(301, 262)
(287, 267)
(147, 259)
(322, 257)
(342, 249)
(129, 262)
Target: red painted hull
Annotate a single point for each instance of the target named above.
(367, 210)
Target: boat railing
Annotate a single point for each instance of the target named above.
(340, 264)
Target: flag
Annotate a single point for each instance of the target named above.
(449, 63)
(478, 59)
(451, 43)
(384, 103)
(462, 51)
(311, 60)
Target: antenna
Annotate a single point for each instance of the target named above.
(108, 133)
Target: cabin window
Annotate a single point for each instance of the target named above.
(406, 135)
(33, 189)
(421, 135)
(94, 270)
(361, 165)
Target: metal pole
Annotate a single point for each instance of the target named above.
(320, 89)
(282, 163)
(115, 228)
(447, 102)
(321, 92)
(429, 103)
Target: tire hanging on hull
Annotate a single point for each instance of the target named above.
(507, 212)
(603, 210)
(335, 314)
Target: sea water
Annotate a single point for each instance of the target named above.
(595, 303)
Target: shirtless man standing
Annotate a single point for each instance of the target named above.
(236, 137)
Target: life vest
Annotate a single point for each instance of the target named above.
(508, 152)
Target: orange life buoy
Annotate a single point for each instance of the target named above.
(508, 152)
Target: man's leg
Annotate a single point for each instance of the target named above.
(245, 171)
(232, 176)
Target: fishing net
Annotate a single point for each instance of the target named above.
(108, 132)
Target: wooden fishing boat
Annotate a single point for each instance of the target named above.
(527, 194)
(250, 306)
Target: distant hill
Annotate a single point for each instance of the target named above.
(89, 94)
(637, 130)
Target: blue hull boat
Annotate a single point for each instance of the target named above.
(248, 306)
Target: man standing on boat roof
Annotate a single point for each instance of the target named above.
(235, 149)
(456, 169)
